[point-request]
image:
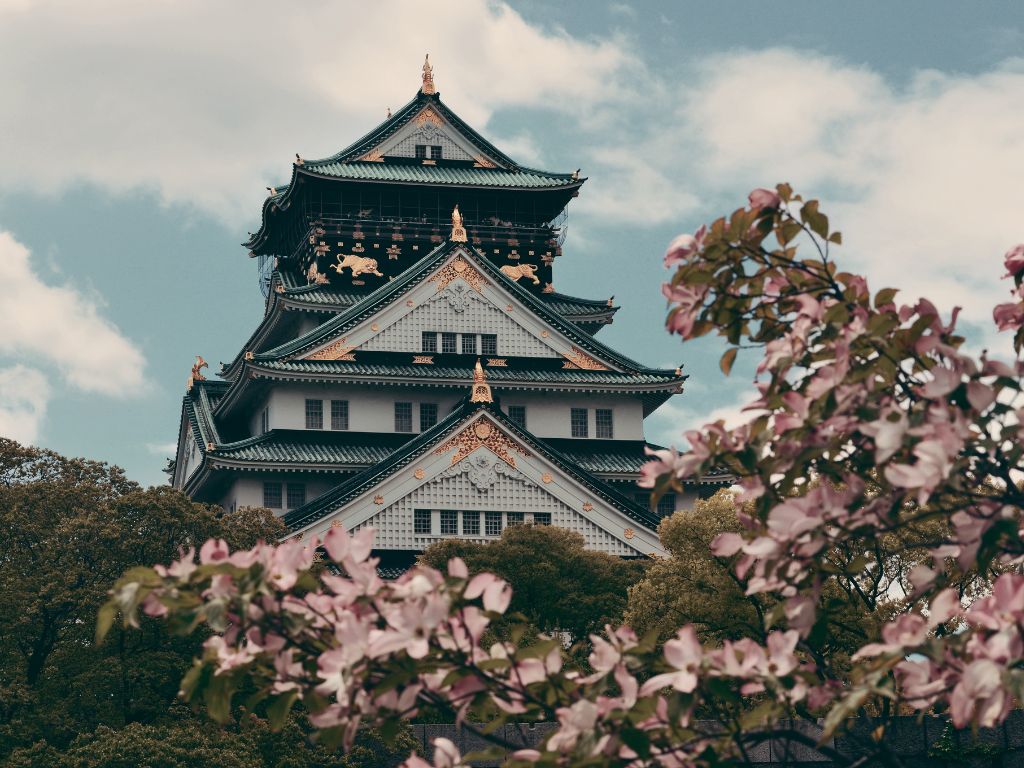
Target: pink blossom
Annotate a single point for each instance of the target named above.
(979, 696)
(685, 246)
(726, 544)
(685, 654)
(574, 721)
(907, 631)
(1014, 261)
(213, 551)
(496, 592)
(1008, 317)
(764, 198)
(179, 569)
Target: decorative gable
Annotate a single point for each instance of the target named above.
(481, 472)
(429, 128)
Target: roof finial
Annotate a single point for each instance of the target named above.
(389, 113)
(196, 374)
(481, 389)
(458, 231)
(428, 77)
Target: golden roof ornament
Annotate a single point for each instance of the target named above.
(481, 389)
(428, 77)
(196, 374)
(458, 231)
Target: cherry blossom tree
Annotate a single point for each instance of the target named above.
(871, 424)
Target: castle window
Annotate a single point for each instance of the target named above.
(272, 495)
(448, 343)
(314, 414)
(449, 522)
(469, 343)
(428, 416)
(578, 422)
(296, 495)
(542, 518)
(489, 344)
(339, 414)
(421, 521)
(603, 422)
(403, 417)
(667, 504)
(265, 421)
(429, 341)
(470, 523)
(421, 151)
(492, 523)
(517, 415)
(435, 152)
(516, 518)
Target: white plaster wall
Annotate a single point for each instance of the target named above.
(548, 414)
(247, 490)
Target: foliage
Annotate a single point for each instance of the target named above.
(879, 459)
(591, 586)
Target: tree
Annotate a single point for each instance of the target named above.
(557, 584)
(874, 439)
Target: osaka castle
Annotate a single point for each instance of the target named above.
(415, 369)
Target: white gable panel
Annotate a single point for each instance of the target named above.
(507, 494)
(458, 309)
(431, 129)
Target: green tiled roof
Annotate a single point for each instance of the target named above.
(522, 178)
(310, 447)
(495, 376)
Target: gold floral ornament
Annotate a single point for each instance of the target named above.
(629, 533)
(577, 358)
(459, 268)
(482, 433)
(378, 499)
(546, 477)
(339, 350)
(419, 474)
(587, 506)
(335, 523)
(458, 230)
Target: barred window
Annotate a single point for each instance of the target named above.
(421, 151)
(436, 151)
(516, 518)
(429, 341)
(296, 495)
(603, 422)
(272, 495)
(339, 414)
(489, 344)
(448, 343)
(421, 521)
(469, 343)
(428, 416)
(492, 523)
(667, 504)
(542, 518)
(470, 523)
(578, 422)
(265, 421)
(403, 417)
(314, 414)
(517, 415)
(449, 522)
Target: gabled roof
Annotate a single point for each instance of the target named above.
(349, 163)
(416, 274)
(346, 491)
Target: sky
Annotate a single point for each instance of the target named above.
(137, 141)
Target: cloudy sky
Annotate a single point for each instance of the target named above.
(137, 139)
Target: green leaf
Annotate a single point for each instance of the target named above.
(105, 620)
(885, 296)
(817, 221)
(278, 709)
(727, 360)
(836, 237)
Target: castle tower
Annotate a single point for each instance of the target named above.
(415, 369)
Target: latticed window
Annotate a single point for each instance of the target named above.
(578, 422)
(448, 343)
(516, 518)
(517, 415)
(667, 504)
(429, 341)
(296, 495)
(603, 422)
(470, 523)
(542, 518)
(489, 344)
(436, 151)
(272, 495)
(339, 414)
(421, 521)
(428, 416)
(421, 151)
(492, 523)
(449, 522)
(314, 414)
(469, 343)
(403, 417)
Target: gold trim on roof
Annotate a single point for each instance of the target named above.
(428, 76)
(458, 231)
(459, 267)
(577, 358)
(373, 156)
(497, 362)
(423, 359)
(336, 351)
(481, 389)
(428, 115)
(479, 161)
(482, 433)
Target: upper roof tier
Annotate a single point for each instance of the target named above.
(423, 144)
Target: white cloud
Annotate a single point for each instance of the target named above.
(924, 179)
(56, 323)
(24, 394)
(666, 425)
(162, 449)
(207, 103)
